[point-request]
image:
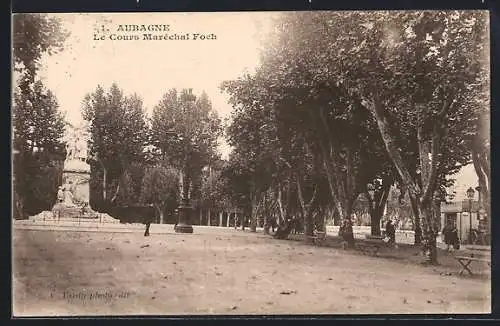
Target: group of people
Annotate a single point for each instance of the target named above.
(450, 233)
(64, 195)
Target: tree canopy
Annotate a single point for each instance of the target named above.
(369, 98)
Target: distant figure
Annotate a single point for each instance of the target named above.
(451, 240)
(346, 233)
(274, 224)
(83, 209)
(146, 233)
(60, 195)
(454, 238)
(68, 196)
(390, 232)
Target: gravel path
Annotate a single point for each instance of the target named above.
(222, 271)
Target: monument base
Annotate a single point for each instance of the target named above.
(183, 225)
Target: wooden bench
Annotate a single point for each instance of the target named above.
(466, 257)
(318, 237)
(371, 245)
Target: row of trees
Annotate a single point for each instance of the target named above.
(38, 126)
(342, 105)
(139, 160)
(345, 104)
(133, 159)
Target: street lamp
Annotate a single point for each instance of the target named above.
(470, 195)
(375, 229)
(184, 209)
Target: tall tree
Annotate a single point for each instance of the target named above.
(418, 74)
(413, 81)
(38, 136)
(33, 36)
(160, 187)
(186, 130)
(118, 138)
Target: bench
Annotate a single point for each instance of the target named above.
(318, 237)
(371, 245)
(467, 257)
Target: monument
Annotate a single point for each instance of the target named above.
(73, 193)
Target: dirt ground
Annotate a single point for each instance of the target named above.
(227, 271)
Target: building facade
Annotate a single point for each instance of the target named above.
(464, 217)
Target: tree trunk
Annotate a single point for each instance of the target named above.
(377, 206)
(117, 191)
(348, 231)
(228, 215)
(308, 223)
(428, 154)
(416, 221)
(104, 183)
(160, 213)
(429, 234)
(375, 224)
(306, 208)
(209, 222)
(220, 218)
(266, 224)
(342, 192)
(19, 212)
(481, 167)
(282, 209)
(162, 217)
(254, 213)
(201, 216)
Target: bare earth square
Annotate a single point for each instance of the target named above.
(223, 271)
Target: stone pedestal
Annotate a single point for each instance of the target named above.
(183, 225)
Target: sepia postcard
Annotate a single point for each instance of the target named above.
(251, 163)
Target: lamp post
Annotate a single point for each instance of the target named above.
(375, 229)
(480, 208)
(470, 195)
(183, 225)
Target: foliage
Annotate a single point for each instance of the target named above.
(160, 187)
(378, 96)
(214, 189)
(33, 36)
(118, 137)
(36, 135)
(38, 129)
(185, 130)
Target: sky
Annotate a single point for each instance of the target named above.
(149, 68)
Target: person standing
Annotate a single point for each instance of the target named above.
(450, 234)
(447, 236)
(346, 233)
(454, 240)
(390, 232)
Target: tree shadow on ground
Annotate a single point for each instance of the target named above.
(404, 253)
